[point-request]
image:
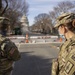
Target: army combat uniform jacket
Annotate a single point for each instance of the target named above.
(8, 54)
(65, 63)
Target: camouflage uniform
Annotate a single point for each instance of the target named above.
(8, 54)
(65, 63)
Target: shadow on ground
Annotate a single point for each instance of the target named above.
(32, 65)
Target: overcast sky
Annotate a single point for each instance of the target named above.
(40, 6)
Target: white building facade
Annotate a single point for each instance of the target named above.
(24, 24)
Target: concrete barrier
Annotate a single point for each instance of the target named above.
(37, 37)
(34, 39)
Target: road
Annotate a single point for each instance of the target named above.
(36, 59)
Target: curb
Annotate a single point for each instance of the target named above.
(38, 43)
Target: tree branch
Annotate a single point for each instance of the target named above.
(0, 4)
(5, 7)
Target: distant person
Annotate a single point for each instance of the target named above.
(8, 53)
(65, 63)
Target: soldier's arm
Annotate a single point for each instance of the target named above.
(54, 67)
(69, 67)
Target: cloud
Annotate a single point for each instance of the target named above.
(41, 6)
(45, 1)
(36, 1)
(38, 7)
(41, 9)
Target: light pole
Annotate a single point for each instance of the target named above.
(42, 26)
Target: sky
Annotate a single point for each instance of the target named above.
(40, 6)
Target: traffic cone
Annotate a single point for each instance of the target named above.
(26, 40)
(60, 40)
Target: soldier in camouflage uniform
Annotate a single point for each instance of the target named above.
(8, 53)
(65, 63)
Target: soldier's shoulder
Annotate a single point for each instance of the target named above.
(73, 42)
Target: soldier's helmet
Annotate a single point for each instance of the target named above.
(4, 20)
(64, 19)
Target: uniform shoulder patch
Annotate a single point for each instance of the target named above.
(12, 51)
(68, 67)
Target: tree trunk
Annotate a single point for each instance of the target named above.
(0, 6)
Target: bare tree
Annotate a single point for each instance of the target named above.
(15, 11)
(16, 8)
(43, 23)
(66, 6)
(62, 7)
(19, 5)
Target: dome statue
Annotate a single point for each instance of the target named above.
(24, 24)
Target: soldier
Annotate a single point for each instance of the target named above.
(65, 63)
(8, 52)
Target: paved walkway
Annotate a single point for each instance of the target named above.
(35, 59)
